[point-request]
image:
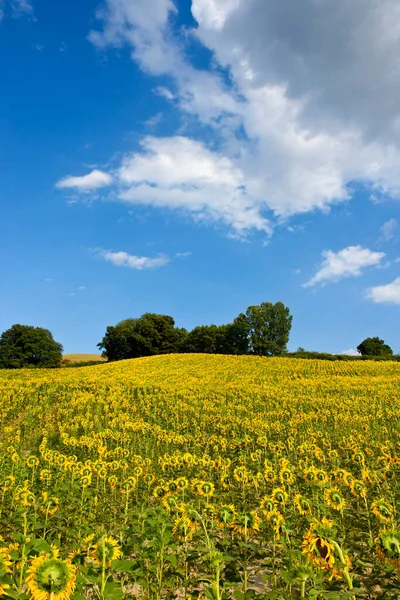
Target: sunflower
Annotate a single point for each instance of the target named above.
(388, 546)
(382, 509)
(51, 577)
(170, 503)
(358, 489)
(85, 481)
(247, 522)
(226, 515)
(270, 475)
(159, 492)
(128, 485)
(206, 489)
(321, 477)
(267, 505)
(112, 481)
(334, 499)
(32, 462)
(286, 475)
(302, 504)
(149, 478)
(317, 545)
(240, 474)
(184, 528)
(276, 519)
(210, 511)
(182, 483)
(49, 506)
(5, 561)
(279, 495)
(8, 482)
(45, 475)
(171, 487)
(310, 475)
(105, 551)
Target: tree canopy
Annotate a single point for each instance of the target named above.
(263, 330)
(26, 346)
(374, 346)
(148, 335)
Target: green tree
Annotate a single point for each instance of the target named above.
(146, 336)
(374, 346)
(269, 328)
(27, 346)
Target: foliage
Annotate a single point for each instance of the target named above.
(374, 347)
(200, 476)
(27, 346)
(150, 334)
(269, 328)
(263, 330)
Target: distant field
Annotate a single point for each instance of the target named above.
(202, 477)
(83, 357)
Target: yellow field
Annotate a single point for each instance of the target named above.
(187, 476)
(73, 358)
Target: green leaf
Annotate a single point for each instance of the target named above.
(112, 591)
(122, 566)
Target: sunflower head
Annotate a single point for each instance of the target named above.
(247, 522)
(302, 504)
(388, 546)
(49, 574)
(226, 515)
(334, 499)
(105, 551)
(382, 509)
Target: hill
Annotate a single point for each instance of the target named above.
(260, 471)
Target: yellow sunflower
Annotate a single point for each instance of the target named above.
(334, 499)
(382, 509)
(51, 577)
(105, 551)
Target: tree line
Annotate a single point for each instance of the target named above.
(263, 330)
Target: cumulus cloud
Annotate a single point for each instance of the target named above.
(311, 103)
(389, 293)
(92, 181)
(389, 229)
(349, 262)
(123, 259)
(182, 173)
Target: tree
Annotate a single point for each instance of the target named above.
(146, 336)
(27, 346)
(208, 339)
(374, 347)
(269, 328)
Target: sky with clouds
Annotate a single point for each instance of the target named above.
(194, 157)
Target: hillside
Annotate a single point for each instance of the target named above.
(190, 453)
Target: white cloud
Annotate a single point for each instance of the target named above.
(123, 259)
(17, 8)
(164, 92)
(317, 95)
(92, 181)
(389, 229)
(348, 262)
(155, 120)
(184, 174)
(389, 293)
(182, 254)
(350, 352)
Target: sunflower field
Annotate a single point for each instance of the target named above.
(201, 476)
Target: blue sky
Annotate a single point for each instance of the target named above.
(195, 157)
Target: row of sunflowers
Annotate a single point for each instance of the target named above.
(200, 477)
